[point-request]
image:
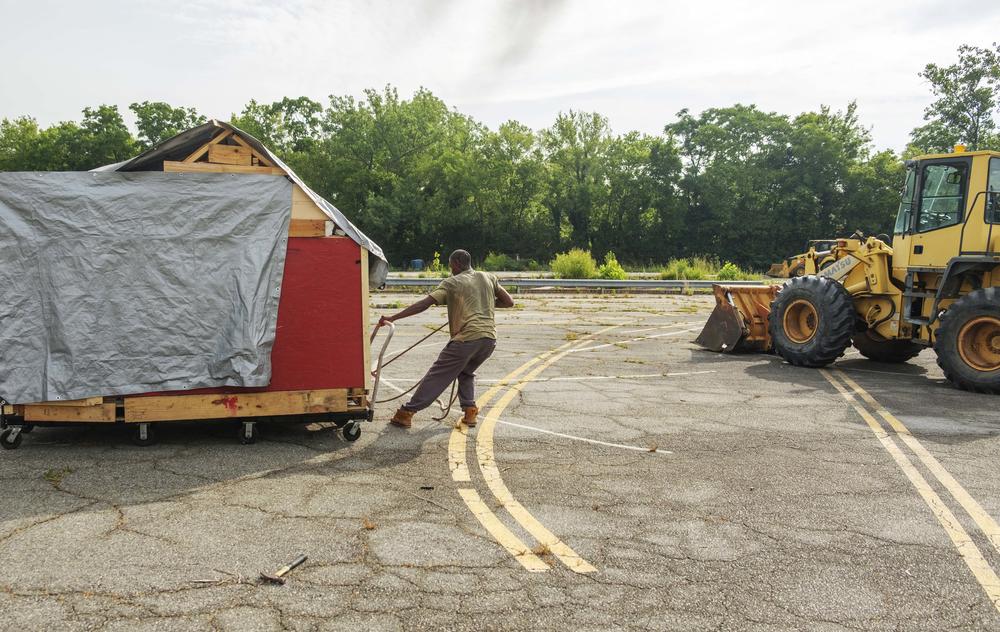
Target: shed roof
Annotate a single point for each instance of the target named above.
(185, 143)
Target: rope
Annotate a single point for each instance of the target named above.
(408, 349)
(445, 410)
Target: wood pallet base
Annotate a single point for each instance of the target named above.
(159, 408)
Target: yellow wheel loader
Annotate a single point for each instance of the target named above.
(938, 285)
(818, 255)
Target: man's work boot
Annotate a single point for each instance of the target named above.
(403, 418)
(471, 412)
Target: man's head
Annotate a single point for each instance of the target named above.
(459, 261)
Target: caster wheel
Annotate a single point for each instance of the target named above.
(352, 432)
(10, 440)
(27, 428)
(249, 433)
(143, 436)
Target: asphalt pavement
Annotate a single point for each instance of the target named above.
(619, 478)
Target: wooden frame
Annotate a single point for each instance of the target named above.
(157, 408)
(173, 166)
(365, 318)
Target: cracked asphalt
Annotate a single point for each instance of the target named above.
(710, 492)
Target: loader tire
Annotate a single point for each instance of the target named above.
(876, 348)
(811, 321)
(968, 341)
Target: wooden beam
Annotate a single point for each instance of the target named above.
(204, 148)
(90, 401)
(103, 413)
(256, 154)
(365, 324)
(208, 167)
(308, 228)
(230, 155)
(234, 405)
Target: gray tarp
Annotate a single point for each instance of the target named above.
(114, 283)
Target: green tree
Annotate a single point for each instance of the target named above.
(286, 126)
(965, 102)
(99, 139)
(509, 194)
(104, 138)
(402, 167)
(157, 121)
(574, 148)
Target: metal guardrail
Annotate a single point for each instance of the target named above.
(604, 284)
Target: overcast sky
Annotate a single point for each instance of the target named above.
(637, 62)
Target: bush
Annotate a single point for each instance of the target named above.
(435, 264)
(685, 269)
(575, 264)
(611, 268)
(499, 262)
(533, 266)
(730, 272)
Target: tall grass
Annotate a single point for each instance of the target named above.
(699, 268)
(575, 264)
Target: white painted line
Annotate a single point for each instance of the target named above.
(670, 326)
(574, 438)
(620, 342)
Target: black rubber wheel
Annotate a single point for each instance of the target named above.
(10, 441)
(352, 432)
(139, 441)
(27, 428)
(876, 348)
(254, 435)
(968, 341)
(811, 321)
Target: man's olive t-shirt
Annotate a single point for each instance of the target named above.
(471, 300)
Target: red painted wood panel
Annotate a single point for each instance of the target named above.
(320, 338)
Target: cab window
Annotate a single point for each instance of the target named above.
(906, 205)
(942, 196)
(993, 192)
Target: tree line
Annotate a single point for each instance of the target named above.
(732, 183)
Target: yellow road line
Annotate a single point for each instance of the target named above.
(456, 441)
(502, 534)
(970, 504)
(970, 553)
(487, 463)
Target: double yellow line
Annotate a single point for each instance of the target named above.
(548, 542)
(967, 548)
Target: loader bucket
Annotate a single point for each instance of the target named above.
(739, 320)
(778, 271)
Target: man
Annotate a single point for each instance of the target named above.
(471, 297)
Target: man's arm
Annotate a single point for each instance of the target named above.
(416, 308)
(503, 298)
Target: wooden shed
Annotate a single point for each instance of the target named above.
(320, 357)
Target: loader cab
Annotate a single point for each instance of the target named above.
(947, 209)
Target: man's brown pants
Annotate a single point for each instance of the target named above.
(458, 360)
